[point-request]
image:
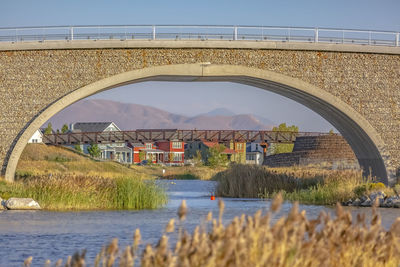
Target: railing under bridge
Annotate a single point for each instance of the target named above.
(200, 32)
(153, 135)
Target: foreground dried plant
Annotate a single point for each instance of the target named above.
(255, 241)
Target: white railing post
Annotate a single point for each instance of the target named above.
(154, 32)
(316, 35)
(369, 38)
(397, 39)
(235, 33)
(71, 30)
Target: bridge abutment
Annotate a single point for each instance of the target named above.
(358, 92)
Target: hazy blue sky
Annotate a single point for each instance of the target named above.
(355, 14)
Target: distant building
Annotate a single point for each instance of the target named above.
(149, 152)
(37, 137)
(204, 147)
(93, 127)
(174, 152)
(113, 151)
(240, 149)
(254, 153)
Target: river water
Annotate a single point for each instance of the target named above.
(53, 235)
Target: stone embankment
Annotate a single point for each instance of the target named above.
(328, 150)
(19, 204)
(369, 200)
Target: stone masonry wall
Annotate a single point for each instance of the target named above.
(31, 80)
(328, 150)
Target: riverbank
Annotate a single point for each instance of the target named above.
(62, 179)
(289, 240)
(178, 172)
(74, 192)
(306, 185)
(40, 159)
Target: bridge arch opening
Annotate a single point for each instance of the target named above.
(361, 136)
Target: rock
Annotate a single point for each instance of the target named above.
(367, 203)
(396, 203)
(22, 204)
(363, 199)
(356, 202)
(2, 204)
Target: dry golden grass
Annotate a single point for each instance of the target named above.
(307, 185)
(74, 192)
(39, 159)
(178, 172)
(292, 241)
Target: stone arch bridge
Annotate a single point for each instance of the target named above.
(355, 87)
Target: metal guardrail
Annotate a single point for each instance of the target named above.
(198, 32)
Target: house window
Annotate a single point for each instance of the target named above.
(149, 145)
(176, 144)
(239, 146)
(177, 156)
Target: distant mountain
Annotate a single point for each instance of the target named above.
(219, 112)
(130, 116)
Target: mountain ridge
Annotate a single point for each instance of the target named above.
(130, 116)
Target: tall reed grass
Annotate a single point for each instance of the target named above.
(293, 240)
(307, 185)
(60, 192)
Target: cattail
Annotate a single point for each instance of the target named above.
(136, 238)
(170, 226)
(277, 202)
(209, 216)
(113, 246)
(59, 263)
(221, 206)
(28, 261)
(182, 211)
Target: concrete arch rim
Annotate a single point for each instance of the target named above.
(185, 72)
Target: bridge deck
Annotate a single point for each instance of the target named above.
(153, 135)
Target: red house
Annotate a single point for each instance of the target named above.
(174, 152)
(149, 150)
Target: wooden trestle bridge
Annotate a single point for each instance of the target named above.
(152, 135)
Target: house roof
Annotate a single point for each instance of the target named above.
(92, 126)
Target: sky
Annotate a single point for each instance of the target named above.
(350, 14)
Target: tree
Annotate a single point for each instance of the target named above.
(198, 159)
(94, 150)
(283, 148)
(64, 128)
(78, 148)
(142, 155)
(48, 129)
(215, 156)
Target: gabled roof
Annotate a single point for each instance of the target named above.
(93, 126)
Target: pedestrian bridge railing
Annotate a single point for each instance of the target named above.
(152, 135)
(201, 33)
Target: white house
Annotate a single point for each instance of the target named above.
(114, 151)
(37, 137)
(254, 153)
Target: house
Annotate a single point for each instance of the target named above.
(240, 149)
(174, 152)
(113, 151)
(147, 151)
(254, 153)
(93, 127)
(37, 137)
(204, 146)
